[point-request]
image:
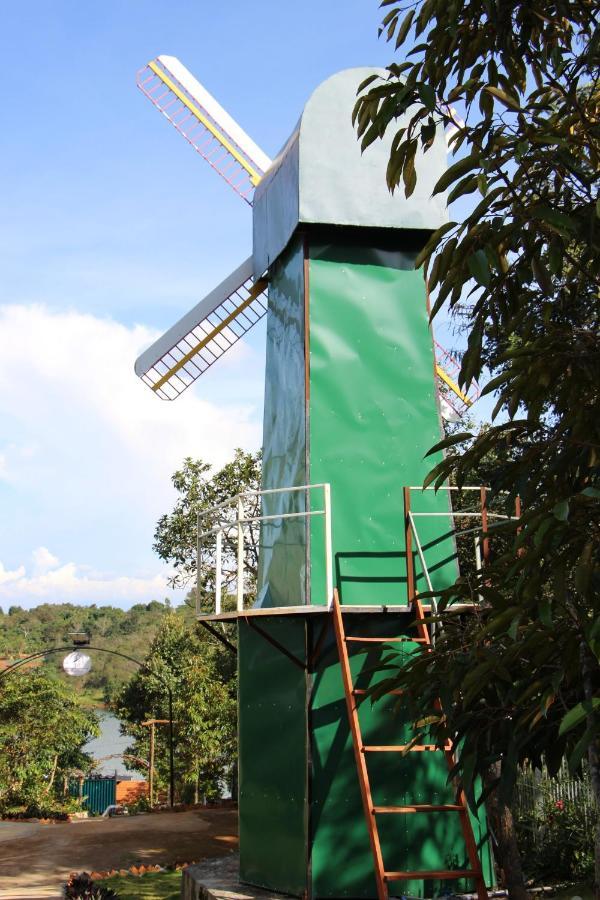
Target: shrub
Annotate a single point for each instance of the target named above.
(81, 887)
(557, 841)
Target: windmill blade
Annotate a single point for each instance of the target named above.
(456, 403)
(204, 124)
(204, 334)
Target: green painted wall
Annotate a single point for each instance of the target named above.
(342, 865)
(373, 417)
(273, 741)
(282, 575)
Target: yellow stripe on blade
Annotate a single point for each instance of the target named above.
(452, 385)
(255, 291)
(255, 176)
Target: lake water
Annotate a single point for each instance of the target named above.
(110, 743)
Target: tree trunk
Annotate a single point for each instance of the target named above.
(53, 775)
(588, 665)
(506, 848)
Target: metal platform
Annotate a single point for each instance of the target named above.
(320, 610)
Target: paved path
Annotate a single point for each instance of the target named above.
(37, 859)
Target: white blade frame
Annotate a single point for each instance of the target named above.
(203, 122)
(204, 334)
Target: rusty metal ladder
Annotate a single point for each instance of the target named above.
(382, 875)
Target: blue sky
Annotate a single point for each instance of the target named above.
(110, 228)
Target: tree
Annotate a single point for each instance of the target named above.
(42, 732)
(200, 491)
(204, 707)
(522, 266)
(48, 625)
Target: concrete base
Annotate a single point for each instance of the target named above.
(219, 879)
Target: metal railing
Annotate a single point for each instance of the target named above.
(241, 520)
(481, 532)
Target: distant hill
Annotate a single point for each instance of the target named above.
(128, 631)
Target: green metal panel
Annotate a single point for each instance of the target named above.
(342, 864)
(282, 575)
(273, 808)
(373, 417)
(98, 793)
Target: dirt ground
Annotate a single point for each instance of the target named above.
(34, 857)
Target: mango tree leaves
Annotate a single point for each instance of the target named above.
(520, 272)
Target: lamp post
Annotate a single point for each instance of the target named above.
(80, 661)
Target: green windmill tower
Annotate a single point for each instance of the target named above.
(330, 803)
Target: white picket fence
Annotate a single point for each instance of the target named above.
(535, 789)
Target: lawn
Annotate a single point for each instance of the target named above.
(153, 886)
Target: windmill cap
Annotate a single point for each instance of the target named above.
(322, 177)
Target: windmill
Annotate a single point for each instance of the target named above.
(228, 312)
(352, 405)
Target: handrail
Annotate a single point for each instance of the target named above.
(242, 519)
(482, 531)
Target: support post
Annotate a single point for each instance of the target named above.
(484, 525)
(171, 752)
(328, 546)
(410, 562)
(218, 577)
(198, 557)
(240, 554)
(151, 767)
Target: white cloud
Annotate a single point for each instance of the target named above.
(71, 583)
(7, 576)
(87, 451)
(43, 560)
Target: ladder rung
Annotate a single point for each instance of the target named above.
(401, 748)
(420, 807)
(386, 640)
(436, 873)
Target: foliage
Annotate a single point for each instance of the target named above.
(42, 731)
(557, 842)
(81, 887)
(204, 690)
(199, 490)
(524, 677)
(48, 625)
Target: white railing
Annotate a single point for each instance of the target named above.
(481, 531)
(238, 523)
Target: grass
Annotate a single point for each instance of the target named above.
(153, 886)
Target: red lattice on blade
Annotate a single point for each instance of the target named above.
(446, 361)
(196, 133)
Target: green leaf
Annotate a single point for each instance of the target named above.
(449, 442)
(591, 492)
(578, 714)
(409, 175)
(426, 95)
(404, 28)
(545, 612)
(456, 171)
(554, 217)
(560, 510)
(433, 242)
(506, 99)
(479, 267)
(581, 747)
(466, 186)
